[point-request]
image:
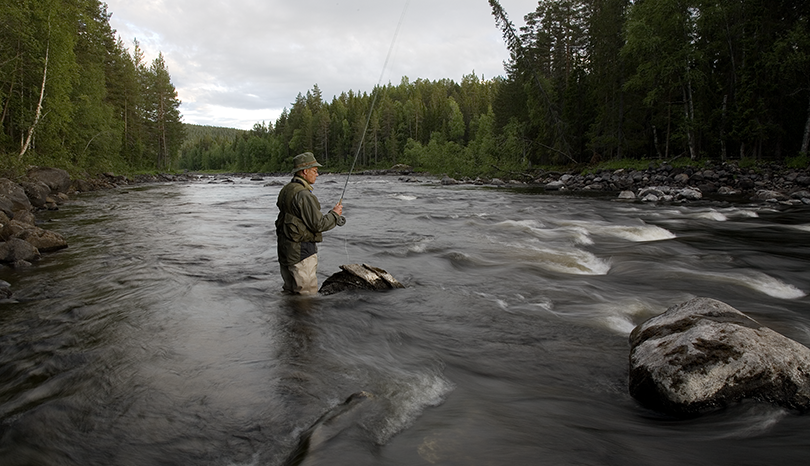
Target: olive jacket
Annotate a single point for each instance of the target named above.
(300, 223)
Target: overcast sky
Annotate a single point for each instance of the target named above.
(238, 62)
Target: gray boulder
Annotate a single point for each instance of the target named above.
(43, 240)
(682, 178)
(56, 179)
(690, 194)
(37, 193)
(6, 207)
(15, 194)
(359, 277)
(765, 195)
(704, 354)
(18, 251)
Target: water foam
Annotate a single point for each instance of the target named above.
(745, 213)
(759, 420)
(639, 234)
(755, 280)
(408, 397)
(500, 302)
(800, 227)
(571, 261)
(636, 233)
(712, 215)
(773, 287)
(621, 317)
(620, 324)
(577, 234)
(420, 246)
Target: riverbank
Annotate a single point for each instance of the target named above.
(666, 183)
(659, 182)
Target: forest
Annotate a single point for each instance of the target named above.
(588, 81)
(73, 97)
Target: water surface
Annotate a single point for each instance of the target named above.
(160, 336)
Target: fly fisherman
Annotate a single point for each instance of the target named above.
(299, 227)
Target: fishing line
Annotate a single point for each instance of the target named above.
(374, 99)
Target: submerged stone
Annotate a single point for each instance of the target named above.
(328, 426)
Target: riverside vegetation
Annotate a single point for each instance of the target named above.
(588, 83)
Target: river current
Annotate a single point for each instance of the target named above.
(161, 336)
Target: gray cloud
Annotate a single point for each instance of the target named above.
(238, 62)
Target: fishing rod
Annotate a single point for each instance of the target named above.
(373, 101)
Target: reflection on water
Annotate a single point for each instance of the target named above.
(160, 336)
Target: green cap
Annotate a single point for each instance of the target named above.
(304, 161)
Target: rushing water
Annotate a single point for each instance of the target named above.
(161, 337)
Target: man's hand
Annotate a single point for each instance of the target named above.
(338, 208)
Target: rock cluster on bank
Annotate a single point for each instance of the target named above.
(704, 354)
(21, 240)
(665, 183)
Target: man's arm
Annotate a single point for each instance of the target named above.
(312, 217)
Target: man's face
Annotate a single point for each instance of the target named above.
(310, 174)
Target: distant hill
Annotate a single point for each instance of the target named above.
(197, 133)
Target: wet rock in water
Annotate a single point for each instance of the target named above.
(690, 194)
(704, 354)
(5, 290)
(17, 251)
(359, 277)
(43, 240)
(765, 195)
(328, 426)
(447, 181)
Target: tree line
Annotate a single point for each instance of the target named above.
(715, 79)
(587, 81)
(73, 97)
(435, 125)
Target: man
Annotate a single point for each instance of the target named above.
(299, 227)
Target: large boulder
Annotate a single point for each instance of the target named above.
(37, 193)
(6, 206)
(56, 179)
(15, 194)
(43, 240)
(18, 251)
(704, 354)
(359, 277)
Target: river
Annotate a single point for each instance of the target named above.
(161, 336)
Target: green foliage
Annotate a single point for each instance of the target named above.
(622, 79)
(800, 161)
(610, 82)
(72, 97)
(437, 126)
